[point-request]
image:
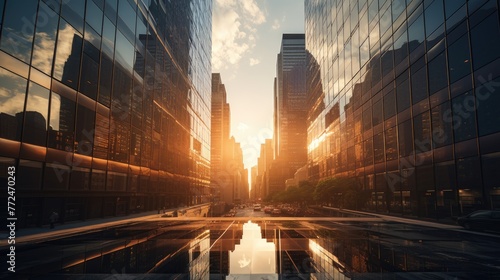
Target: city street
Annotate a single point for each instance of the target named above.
(358, 248)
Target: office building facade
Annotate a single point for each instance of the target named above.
(403, 98)
(105, 106)
(289, 109)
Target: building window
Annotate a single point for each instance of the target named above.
(17, 28)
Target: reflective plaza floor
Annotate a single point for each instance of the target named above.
(262, 248)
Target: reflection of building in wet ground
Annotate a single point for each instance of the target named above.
(254, 257)
(327, 265)
(199, 257)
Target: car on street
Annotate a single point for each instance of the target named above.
(481, 220)
(256, 207)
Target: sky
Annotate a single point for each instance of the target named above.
(246, 39)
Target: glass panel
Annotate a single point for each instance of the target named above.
(368, 151)
(105, 81)
(464, 117)
(419, 85)
(391, 144)
(422, 130)
(62, 123)
(101, 137)
(416, 33)
(378, 148)
(485, 40)
(69, 46)
(405, 137)
(488, 102)
(88, 81)
(126, 19)
(437, 73)
(12, 97)
(378, 112)
(124, 52)
(45, 38)
(442, 133)
(403, 92)
(56, 177)
(389, 104)
(94, 16)
(84, 131)
(29, 175)
(434, 16)
(110, 9)
(398, 6)
(36, 116)
(451, 6)
(72, 11)
(400, 48)
(108, 38)
(17, 31)
(459, 59)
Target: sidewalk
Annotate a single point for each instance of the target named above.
(73, 228)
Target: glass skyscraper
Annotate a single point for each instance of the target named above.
(105, 105)
(404, 98)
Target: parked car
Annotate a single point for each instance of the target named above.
(276, 212)
(481, 220)
(256, 207)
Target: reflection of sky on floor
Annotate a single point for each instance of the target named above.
(254, 257)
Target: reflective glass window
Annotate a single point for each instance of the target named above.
(56, 177)
(106, 80)
(422, 132)
(391, 144)
(434, 16)
(61, 123)
(385, 21)
(491, 162)
(84, 130)
(94, 16)
(36, 115)
(372, 10)
(400, 48)
(378, 148)
(67, 62)
(469, 173)
(45, 39)
(403, 92)
(79, 178)
(101, 136)
(18, 28)
(442, 132)
(416, 33)
(398, 6)
(126, 19)
(367, 119)
(485, 40)
(464, 117)
(12, 98)
(108, 38)
(488, 103)
(368, 149)
(29, 175)
(2, 3)
(73, 11)
(451, 6)
(98, 180)
(459, 59)
(405, 136)
(389, 104)
(438, 77)
(378, 115)
(419, 85)
(124, 52)
(89, 78)
(110, 9)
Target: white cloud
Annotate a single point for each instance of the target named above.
(276, 24)
(254, 61)
(234, 29)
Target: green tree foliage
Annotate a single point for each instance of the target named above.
(342, 192)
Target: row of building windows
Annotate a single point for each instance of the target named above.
(405, 84)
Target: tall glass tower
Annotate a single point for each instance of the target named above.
(105, 105)
(404, 97)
